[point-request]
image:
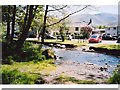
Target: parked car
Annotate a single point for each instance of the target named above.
(108, 37)
(59, 37)
(118, 40)
(50, 37)
(95, 38)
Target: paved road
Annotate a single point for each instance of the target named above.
(104, 42)
(109, 41)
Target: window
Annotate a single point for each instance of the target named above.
(76, 28)
(93, 36)
(114, 28)
(108, 28)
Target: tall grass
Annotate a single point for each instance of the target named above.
(16, 77)
(26, 72)
(115, 78)
(63, 79)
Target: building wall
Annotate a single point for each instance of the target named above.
(111, 30)
(73, 30)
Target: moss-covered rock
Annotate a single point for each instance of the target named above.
(49, 54)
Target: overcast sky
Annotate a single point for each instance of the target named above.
(94, 9)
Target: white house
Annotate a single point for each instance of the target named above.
(112, 30)
(74, 28)
(96, 30)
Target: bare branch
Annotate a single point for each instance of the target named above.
(57, 8)
(68, 16)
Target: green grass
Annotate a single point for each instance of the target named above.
(16, 77)
(80, 43)
(64, 79)
(108, 46)
(26, 72)
(115, 78)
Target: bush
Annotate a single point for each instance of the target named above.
(16, 77)
(31, 52)
(115, 79)
(8, 60)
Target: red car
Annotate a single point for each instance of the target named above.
(95, 38)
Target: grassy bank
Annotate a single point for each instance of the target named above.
(73, 42)
(26, 72)
(72, 80)
(108, 46)
(27, 66)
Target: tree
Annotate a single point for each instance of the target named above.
(44, 24)
(101, 27)
(13, 22)
(8, 24)
(85, 31)
(30, 13)
(60, 20)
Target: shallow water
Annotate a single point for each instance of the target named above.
(91, 57)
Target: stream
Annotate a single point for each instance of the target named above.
(80, 56)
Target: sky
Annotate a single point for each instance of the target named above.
(108, 9)
(95, 9)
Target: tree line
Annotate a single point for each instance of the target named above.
(31, 16)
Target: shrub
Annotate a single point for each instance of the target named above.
(31, 52)
(115, 79)
(16, 77)
(8, 60)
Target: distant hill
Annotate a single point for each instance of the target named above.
(97, 19)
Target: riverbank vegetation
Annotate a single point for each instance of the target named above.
(25, 72)
(32, 66)
(26, 67)
(109, 46)
(72, 80)
(115, 78)
(76, 43)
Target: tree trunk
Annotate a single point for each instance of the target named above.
(44, 25)
(8, 24)
(13, 22)
(26, 27)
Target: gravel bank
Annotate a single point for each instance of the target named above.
(86, 71)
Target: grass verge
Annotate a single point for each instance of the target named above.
(109, 46)
(25, 72)
(64, 79)
(74, 42)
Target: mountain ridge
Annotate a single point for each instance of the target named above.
(106, 19)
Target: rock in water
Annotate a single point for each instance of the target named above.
(49, 54)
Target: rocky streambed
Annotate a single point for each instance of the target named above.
(80, 71)
(81, 65)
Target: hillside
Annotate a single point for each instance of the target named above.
(97, 19)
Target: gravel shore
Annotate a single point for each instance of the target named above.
(80, 71)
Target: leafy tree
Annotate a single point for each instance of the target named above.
(60, 20)
(29, 15)
(101, 27)
(8, 17)
(13, 22)
(85, 31)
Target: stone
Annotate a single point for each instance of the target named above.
(40, 80)
(49, 54)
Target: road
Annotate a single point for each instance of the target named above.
(91, 44)
(104, 42)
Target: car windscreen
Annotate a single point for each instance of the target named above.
(93, 36)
